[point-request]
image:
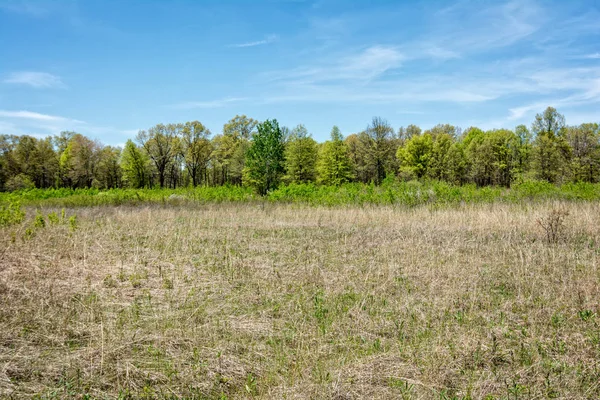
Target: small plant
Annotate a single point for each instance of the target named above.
(250, 385)
(53, 218)
(73, 223)
(29, 232)
(586, 315)
(12, 214)
(554, 225)
(406, 389)
(39, 221)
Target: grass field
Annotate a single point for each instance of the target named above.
(270, 301)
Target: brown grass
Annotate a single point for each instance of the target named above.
(292, 302)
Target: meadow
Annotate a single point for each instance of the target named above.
(463, 293)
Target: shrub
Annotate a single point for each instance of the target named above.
(19, 182)
(11, 214)
(554, 225)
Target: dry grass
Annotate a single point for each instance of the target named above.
(292, 302)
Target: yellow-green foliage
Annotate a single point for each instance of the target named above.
(11, 214)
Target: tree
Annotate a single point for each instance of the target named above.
(79, 162)
(334, 165)
(161, 146)
(415, 156)
(550, 152)
(376, 141)
(265, 158)
(456, 165)
(240, 126)
(405, 134)
(8, 165)
(438, 164)
(493, 156)
(109, 173)
(301, 156)
(135, 166)
(584, 140)
(195, 149)
(229, 150)
(62, 140)
(523, 155)
(549, 123)
(441, 129)
(357, 154)
(224, 149)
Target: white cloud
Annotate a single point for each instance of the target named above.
(34, 116)
(594, 56)
(362, 66)
(267, 40)
(34, 79)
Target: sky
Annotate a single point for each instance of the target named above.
(110, 68)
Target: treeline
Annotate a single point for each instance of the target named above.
(264, 155)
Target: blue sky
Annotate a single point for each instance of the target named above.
(109, 68)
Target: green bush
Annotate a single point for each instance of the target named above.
(391, 192)
(11, 214)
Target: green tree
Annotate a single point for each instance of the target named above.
(79, 162)
(334, 165)
(523, 155)
(551, 153)
(379, 149)
(195, 149)
(415, 156)
(549, 123)
(584, 140)
(109, 174)
(135, 166)
(240, 126)
(162, 146)
(224, 149)
(265, 158)
(438, 163)
(406, 133)
(301, 156)
(457, 165)
(358, 157)
(442, 129)
(493, 156)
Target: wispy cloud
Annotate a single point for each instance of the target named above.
(34, 116)
(589, 96)
(189, 105)
(593, 56)
(267, 40)
(38, 80)
(362, 66)
(40, 125)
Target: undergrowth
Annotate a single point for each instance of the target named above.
(392, 192)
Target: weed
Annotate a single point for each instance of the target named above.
(554, 225)
(53, 218)
(586, 315)
(39, 221)
(11, 214)
(73, 223)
